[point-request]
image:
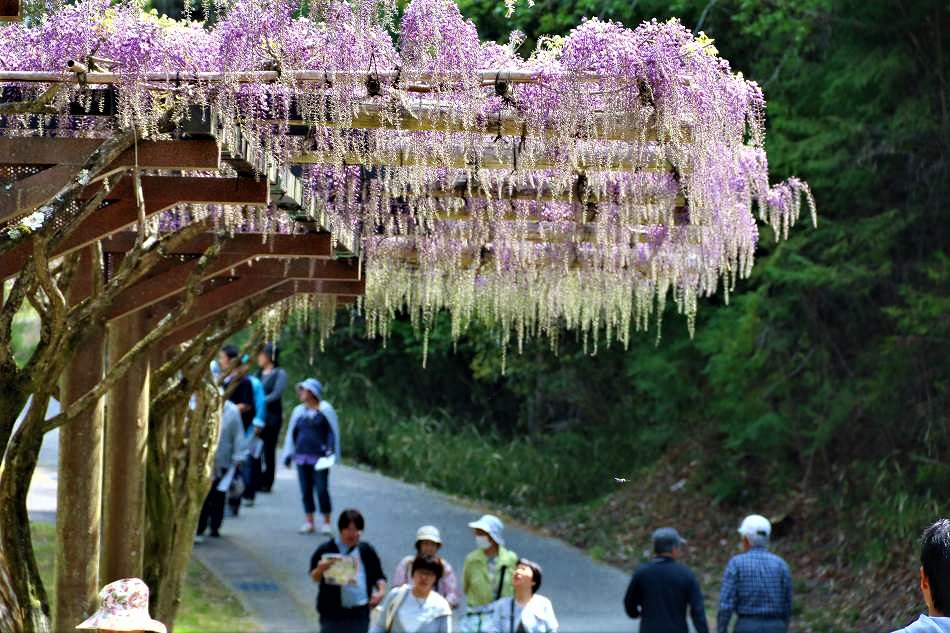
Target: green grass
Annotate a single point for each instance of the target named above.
(207, 605)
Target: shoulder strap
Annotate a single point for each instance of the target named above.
(511, 616)
(501, 582)
(394, 605)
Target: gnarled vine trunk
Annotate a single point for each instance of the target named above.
(180, 451)
(15, 539)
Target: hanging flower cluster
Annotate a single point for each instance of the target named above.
(579, 187)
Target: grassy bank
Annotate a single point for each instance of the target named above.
(207, 605)
(474, 460)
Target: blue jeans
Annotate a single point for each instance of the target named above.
(309, 479)
(760, 625)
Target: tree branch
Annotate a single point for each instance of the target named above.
(220, 330)
(122, 365)
(23, 286)
(139, 261)
(89, 207)
(50, 288)
(40, 105)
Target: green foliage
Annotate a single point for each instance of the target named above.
(830, 362)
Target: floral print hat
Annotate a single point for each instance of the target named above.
(123, 606)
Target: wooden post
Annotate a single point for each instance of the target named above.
(79, 490)
(125, 455)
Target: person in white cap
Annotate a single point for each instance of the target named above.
(428, 543)
(757, 584)
(123, 606)
(486, 575)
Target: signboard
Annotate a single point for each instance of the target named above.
(9, 10)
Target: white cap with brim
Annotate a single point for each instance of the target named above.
(429, 533)
(123, 606)
(755, 525)
(491, 524)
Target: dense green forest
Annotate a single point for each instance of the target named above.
(827, 376)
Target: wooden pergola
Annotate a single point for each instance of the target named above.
(250, 267)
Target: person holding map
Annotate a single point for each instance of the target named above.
(350, 575)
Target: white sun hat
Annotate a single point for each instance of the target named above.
(755, 525)
(429, 533)
(123, 606)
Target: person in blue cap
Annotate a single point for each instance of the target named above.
(662, 590)
(310, 440)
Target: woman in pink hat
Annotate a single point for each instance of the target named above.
(123, 606)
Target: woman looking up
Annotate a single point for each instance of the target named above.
(526, 611)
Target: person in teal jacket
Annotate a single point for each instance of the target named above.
(254, 474)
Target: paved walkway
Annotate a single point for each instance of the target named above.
(261, 556)
(266, 561)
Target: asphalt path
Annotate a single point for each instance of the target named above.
(265, 561)
(261, 555)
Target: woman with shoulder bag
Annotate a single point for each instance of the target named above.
(416, 607)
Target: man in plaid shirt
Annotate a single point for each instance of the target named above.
(757, 584)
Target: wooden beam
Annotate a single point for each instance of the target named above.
(430, 115)
(275, 295)
(501, 155)
(340, 288)
(10, 11)
(187, 332)
(28, 193)
(489, 76)
(175, 154)
(318, 245)
(219, 298)
(225, 295)
(161, 193)
(463, 188)
(172, 281)
(341, 270)
(166, 284)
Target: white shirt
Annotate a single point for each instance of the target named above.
(432, 615)
(536, 616)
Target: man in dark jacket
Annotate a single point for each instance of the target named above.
(239, 390)
(661, 590)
